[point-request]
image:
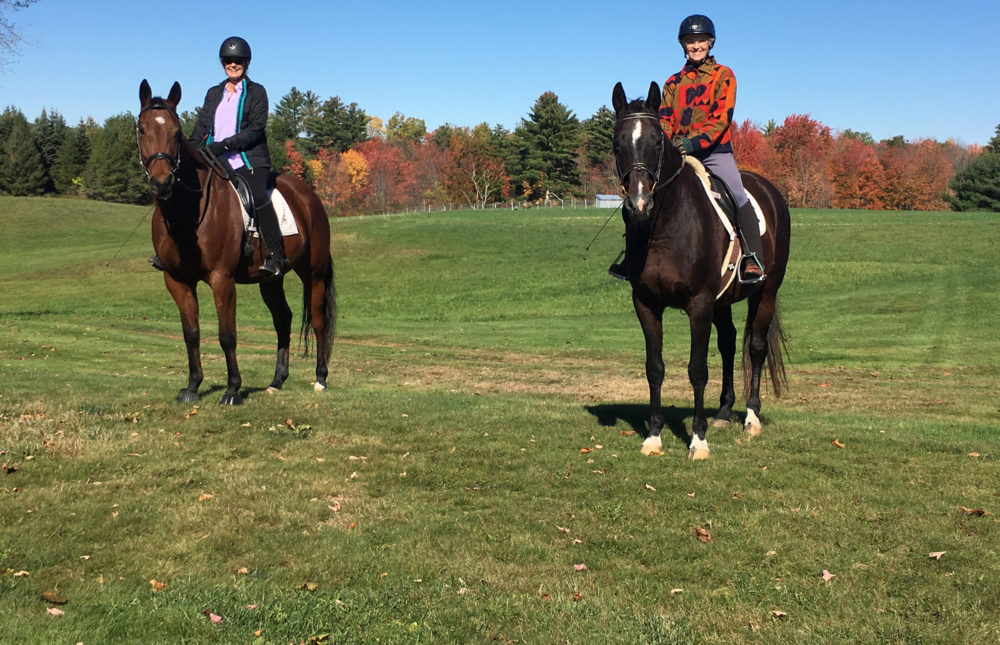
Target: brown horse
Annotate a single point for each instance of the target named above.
(676, 246)
(198, 234)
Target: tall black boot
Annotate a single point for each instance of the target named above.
(267, 224)
(752, 267)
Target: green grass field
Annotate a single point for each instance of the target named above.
(473, 472)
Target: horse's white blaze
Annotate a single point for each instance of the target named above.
(752, 419)
(640, 198)
(160, 120)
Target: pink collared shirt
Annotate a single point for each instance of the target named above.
(225, 121)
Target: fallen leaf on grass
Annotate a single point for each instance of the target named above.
(215, 618)
(289, 424)
(936, 555)
(648, 487)
(973, 454)
(690, 495)
(778, 614)
(242, 571)
(7, 469)
(577, 597)
(253, 606)
(586, 450)
(676, 591)
(258, 633)
(157, 585)
(579, 567)
(836, 443)
(309, 586)
(357, 458)
(702, 534)
(204, 497)
(193, 412)
(827, 576)
(54, 598)
(562, 529)
(627, 433)
(975, 511)
(21, 574)
(754, 626)
(55, 611)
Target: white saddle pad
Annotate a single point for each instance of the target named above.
(286, 221)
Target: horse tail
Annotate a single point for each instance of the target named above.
(777, 347)
(323, 345)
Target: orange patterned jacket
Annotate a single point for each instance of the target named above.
(698, 104)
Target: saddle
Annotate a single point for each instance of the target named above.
(725, 207)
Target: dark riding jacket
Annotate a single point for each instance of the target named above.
(250, 139)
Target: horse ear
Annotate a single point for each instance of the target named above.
(618, 99)
(175, 94)
(145, 93)
(653, 100)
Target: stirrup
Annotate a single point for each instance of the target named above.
(748, 260)
(272, 267)
(619, 270)
(154, 261)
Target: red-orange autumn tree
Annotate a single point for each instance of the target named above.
(391, 180)
(802, 146)
(471, 174)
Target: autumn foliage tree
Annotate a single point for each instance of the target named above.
(472, 173)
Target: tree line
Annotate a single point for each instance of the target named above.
(359, 164)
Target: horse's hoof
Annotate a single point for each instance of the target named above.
(188, 396)
(231, 399)
(720, 423)
(272, 390)
(652, 446)
(698, 454)
(752, 430)
(319, 387)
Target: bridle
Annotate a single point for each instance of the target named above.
(640, 166)
(173, 161)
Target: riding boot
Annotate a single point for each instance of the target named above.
(267, 223)
(752, 269)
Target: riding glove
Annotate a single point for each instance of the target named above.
(683, 145)
(217, 148)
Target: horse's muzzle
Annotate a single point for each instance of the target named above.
(639, 207)
(162, 190)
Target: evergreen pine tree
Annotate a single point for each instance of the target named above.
(113, 173)
(977, 188)
(49, 131)
(71, 158)
(546, 143)
(22, 171)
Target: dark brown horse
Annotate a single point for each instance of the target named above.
(676, 247)
(198, 234)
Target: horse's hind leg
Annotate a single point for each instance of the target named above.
(726, 341)
(322, 312)
(187, 303)
(760, 312)
(273, 294)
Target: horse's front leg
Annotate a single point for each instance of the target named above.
(652, 331)
(726, 342)
(273, 294)
(700, 317)
(187, 303)
(224, 293)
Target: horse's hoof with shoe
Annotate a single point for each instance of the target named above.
(188, 396)
(652, 446)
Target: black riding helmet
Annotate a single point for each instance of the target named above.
(696, 24)
(235, 47)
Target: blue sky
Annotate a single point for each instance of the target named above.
(920, 69)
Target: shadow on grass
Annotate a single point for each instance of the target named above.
(636, 416)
